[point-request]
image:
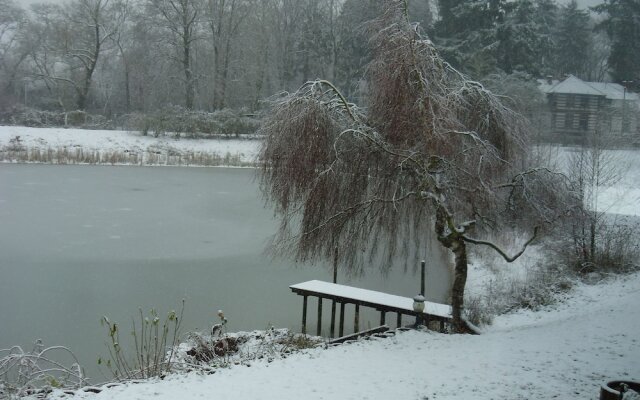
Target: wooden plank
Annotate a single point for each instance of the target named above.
(357, 335)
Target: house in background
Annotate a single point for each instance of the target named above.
(579, 109)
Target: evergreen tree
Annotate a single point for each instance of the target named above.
(574, 41)
(524, 38)
(466, 33)
(622, 24)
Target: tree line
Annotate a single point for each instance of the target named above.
(122, 56)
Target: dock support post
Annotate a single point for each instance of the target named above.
(341, 329)
(356, 319)
(399, 320)
(319, 329)
(333, 318)
(422, 277)
(304, 316)
(382, 317)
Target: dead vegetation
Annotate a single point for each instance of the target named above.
(16, 152)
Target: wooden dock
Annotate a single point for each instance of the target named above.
(382, 302)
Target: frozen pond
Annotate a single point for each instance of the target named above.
(80, 242)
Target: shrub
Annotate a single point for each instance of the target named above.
(221, 349)
(540, 286)
(179, 121)
(613, 249)
(38, 118)
(154, 340)
(38, 371)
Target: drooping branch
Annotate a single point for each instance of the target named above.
(501, 251)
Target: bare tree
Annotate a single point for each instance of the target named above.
(597, 239)
(181, 18)
(12, 54)
(224, 18)
(431, 149)
(81, 31)
(122, 39)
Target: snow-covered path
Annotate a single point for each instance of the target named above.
(565, 352)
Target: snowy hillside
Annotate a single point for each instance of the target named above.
(561, 352)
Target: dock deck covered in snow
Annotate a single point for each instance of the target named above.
(382, 302)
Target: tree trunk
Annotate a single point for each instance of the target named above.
(459, 249)
(186, 64)
(592, 239)
(454, 242)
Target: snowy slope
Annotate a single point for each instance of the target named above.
(566, 352)
(124, 142)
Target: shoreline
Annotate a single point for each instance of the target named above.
(62, 156)
(94, 147)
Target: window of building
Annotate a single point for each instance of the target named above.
(584, 121)
(584, 101)
(568, 121)
(570, 100)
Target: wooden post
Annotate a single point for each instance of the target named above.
(399, 320)
(335, 265)
(333, 302)
(319, 328)
(422, 277)
(333, 318)
(341, 329)
(382, 317)
(356, 319)
(304, 316)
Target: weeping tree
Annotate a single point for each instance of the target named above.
(432, 153)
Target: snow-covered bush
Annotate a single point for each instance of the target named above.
(39, 118)
(615, 249)
(507, 290)
(38, 371)
(179, 121)
(220, 350)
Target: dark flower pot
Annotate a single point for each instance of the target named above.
(611, 390)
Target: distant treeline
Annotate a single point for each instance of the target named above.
(118, 57)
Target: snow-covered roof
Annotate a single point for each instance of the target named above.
(614, 91)
(575, 85)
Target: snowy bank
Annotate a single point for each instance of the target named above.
(567, 352)
(79, 146)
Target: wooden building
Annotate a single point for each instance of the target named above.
(579, 109)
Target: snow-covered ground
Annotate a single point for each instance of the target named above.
(565, 352)
(127, 143)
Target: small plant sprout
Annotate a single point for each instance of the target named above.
(218, 328)
(154, 346)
